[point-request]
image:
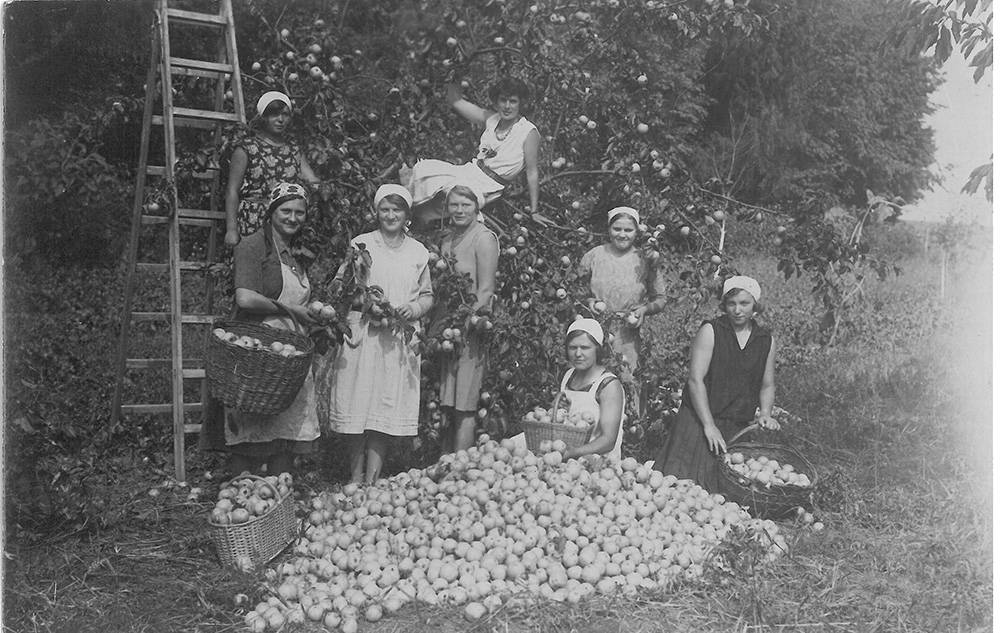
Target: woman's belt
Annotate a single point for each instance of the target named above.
(492, 174)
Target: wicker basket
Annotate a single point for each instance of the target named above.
(256, 380)
(766, 503)
(259, 540)
(536, 432)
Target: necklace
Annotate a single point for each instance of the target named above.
(501, 135)
(394, 244)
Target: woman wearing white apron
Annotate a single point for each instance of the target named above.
(591, 391)
(271, 285)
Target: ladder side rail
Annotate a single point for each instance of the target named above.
(176, 341)
(237, 82)
(137, 212)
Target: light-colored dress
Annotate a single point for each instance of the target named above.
(299, 422)
(376, 374)
(586, 402)
(462, 375)
(504, 157)
(623, 281)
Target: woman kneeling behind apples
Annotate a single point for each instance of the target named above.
(623, 281)
(271, 288)
(476, 251)
(591, 392)
(731, 375)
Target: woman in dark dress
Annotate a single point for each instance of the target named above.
(731, 375)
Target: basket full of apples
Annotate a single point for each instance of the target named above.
(255, 368)
(542, 425)
(253, 519)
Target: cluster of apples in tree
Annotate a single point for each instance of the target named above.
(497, 525)
(562, 416)
(286, 350)
(766, 471)
(246, 499)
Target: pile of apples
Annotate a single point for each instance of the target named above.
(765, 471)
(245, 499)
(562, 416)
(248, 342)
(497, 524)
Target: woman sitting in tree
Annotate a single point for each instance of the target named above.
(509, 145)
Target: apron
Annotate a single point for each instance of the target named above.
(299, 422)
(586, 402)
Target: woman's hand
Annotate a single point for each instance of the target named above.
(406, 311)
(232, 238)
(768, 422)
(716, 443)
(301, 313)
(452, 93)
(640, 314)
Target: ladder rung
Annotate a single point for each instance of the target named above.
(185, 318)
(155, 219)
(192, 428)
(161, 171)
(197, 64)
(159, 363)
(185, 122)
(152, 267)
(213, 115)
(193, 17)
(205, 214)
(189, 407)
(193, 373)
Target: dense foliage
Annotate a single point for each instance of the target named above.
(639, 103)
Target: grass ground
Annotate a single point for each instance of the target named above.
(897, 420)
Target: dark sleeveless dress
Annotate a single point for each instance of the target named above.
(733, 383)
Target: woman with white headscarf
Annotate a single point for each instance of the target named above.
(730, 384)
(375, 393)
(261, 160)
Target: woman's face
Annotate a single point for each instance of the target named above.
(391, 218)
(622, 233)
(509, 107)
(581, 352)
(275, 122)
(740, 307)
(462, 210)
(289, 217)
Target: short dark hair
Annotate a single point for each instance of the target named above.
(601, 353)
(511, 87)
(758, 307)
(465, 192)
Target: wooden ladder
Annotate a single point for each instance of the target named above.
(163, 69)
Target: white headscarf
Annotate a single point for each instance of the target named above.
(742, 282)
(388, 190)
(590, 326)
(268, 98)
(629, 211)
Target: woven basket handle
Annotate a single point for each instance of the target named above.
(749, 427)
(295, 319)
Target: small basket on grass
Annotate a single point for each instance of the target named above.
(256, 379)
(538, 430)
(774, 501)
(255, 542)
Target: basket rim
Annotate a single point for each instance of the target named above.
(770, 446)
(559, 425)
(307, 345)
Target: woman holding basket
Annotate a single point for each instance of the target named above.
(272, 288)
(375, 392)
(731, 376)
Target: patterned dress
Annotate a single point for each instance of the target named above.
(267, 166)
(623, 281)
(733, 383)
